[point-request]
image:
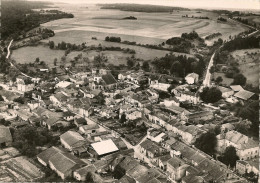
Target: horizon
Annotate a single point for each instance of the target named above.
(193, 4)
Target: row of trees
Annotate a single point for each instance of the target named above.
(113, 39)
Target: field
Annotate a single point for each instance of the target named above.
(149, 28)
(248, 60)
(30, 53)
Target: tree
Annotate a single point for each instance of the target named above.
(239, 79)
(51, 44)
(130, 63)
(210, 95)
(55, 62)
(37, 60)
(229, 157)
(176, 67)
(146, 66)
(207, 142)
(123, 118)
(219, 79)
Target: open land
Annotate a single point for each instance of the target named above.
(248, 60)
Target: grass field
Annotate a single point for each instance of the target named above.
(248, 60)
(29, 54)
(149, 28)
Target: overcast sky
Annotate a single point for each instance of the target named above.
(225, 4)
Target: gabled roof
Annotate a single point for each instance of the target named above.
(109, 79)
(65, 162)
(244, 94)
(224, 89)
(68, 114)
(48, 153)
(176, 162)
(90, 127)
(236, 88)
(104, 147)
(71, 137)
(5, 134)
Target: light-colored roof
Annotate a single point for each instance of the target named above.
(224, 89)
(104, 147)
(244, 94)
(63, 84)
(236, 88)
(193, 75)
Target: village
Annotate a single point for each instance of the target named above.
(136, 128)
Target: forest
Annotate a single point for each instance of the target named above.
(141, 8)
(18, 17)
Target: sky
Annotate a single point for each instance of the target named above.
(211, 4)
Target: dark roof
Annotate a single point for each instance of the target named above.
(65, 162)
(48, 153)
(68, 113)
(109, 79)
(81, 120)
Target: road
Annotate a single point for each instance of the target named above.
(8, 49)
(7, 57)
(207, 79)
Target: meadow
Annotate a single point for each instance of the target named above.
(248, 60)
(30, 53)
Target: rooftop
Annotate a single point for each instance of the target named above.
(104, 147)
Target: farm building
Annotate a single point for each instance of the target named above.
(244, 94)
(192, 78)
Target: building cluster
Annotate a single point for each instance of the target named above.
(113, 130)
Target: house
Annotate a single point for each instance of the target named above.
(200, 116)
(173, 101)
(188, 134)
(24, 85)
(189, 96)
(109, 81)
(5, 136)
(89, 129)
(244, 167)
(226, 92)
(80, 121)
(80, 106)
(71, 140)
(59, 99)
(192, 78)
(64, 164)
(193, 179)
(244, 94)
(45, 155)
(63, 84)
(151, 149)
(68, 116)
(236, 88)
(163, 160)
(81, 173)
(156, 136)
(176, 168)
(246, 147)
(50, 122)
(103, 148)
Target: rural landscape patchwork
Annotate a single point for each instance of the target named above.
(116, 92)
